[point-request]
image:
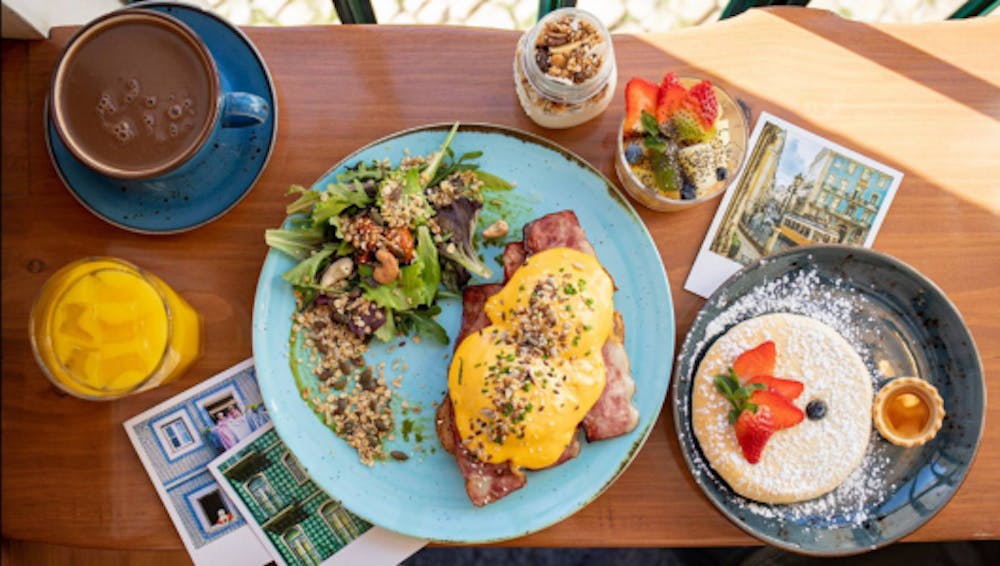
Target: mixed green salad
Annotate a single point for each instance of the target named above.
(384, 243)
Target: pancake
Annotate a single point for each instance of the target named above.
(813, 457)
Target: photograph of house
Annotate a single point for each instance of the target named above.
(302, 523)
(794, 191)
(178, 438)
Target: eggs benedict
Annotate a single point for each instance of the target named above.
(520, 387)
(531, 356)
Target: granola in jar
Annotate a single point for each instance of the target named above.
(564, 69)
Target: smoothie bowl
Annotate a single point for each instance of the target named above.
(681, 142)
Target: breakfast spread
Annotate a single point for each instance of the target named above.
(908, 412)
(564, 69)
(373, 250)
(675, 140)
(537, 357)
(781, 407)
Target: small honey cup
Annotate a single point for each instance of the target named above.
(908, 412)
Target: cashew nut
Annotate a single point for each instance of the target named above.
(336, 272)
(496, 230)
(388, 267)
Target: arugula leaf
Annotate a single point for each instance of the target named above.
(362, 171)
(304, 273)
(421, 278)
(336, 199)
(448, 294)
(421, 321)
(429, 174)
(411, 182)
(344, 249)
(297, 241)
(458, 222)
(307, 198)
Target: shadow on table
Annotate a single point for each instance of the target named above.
(979, 553)
(898, 56)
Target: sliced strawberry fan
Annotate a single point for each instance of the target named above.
(761, 404)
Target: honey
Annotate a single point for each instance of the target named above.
(908, 412)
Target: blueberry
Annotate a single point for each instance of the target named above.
(721, 173)
(633, 153)
(816, 410)
(687, 191)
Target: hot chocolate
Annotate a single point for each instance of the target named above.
(135, 94)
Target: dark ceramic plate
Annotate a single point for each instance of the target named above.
(902, 324)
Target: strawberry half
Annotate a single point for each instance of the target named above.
(669, 98)
(787, 388)
(640, 96)
(753, 429)
(783, 412)
(759, 409)
(694, 119)
(758, 361)
(701, 99)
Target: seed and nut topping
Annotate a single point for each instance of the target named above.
(538, 332)
(567, 49)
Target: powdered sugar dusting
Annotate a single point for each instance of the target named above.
(840, 307)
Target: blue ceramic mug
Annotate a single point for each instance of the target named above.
(136, 95)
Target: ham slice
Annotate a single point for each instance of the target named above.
(484, 482)
(513, 256)
(612, 415)
(556, 230)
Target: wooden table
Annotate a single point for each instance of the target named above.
(922, 98)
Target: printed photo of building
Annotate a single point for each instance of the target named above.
(179, 438)
(795, 192)
(301, 521)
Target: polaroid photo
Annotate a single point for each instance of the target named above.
(795, 189)
(299, 523)
(178, 438)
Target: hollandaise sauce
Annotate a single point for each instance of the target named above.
(521, 386)
(102, 328)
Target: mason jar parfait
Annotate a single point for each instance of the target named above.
(564, 69)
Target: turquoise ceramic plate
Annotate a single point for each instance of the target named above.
(901, 324)
(425, 496)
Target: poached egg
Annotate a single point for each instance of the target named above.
(521, 386)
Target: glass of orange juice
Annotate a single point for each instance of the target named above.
(103, 328)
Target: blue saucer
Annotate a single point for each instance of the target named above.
(211, 190)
